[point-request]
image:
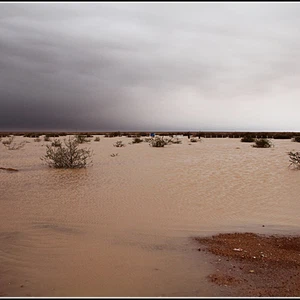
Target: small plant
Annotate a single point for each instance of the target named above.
(137, 140)
(296, 139)
(158, 142)
(262, 143)
(32, 135)
(194, 140)
(97, 139)
(54, 134)
(80, 138)
(119, 144)
(9, 141)
(56, 143)
(67, 156)
(294, 159)
(174, 141)
(114, 154)
(37, 139)
(47, 138)
(247, 139)
(10, 145)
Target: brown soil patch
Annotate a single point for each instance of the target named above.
(252, 265)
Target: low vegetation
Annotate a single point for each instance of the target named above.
(32, 135)
(175, 141)
(137, 140)
(262, 143)
(37, 139)
(158, 142)
(97, 139)
(294, 159)
(119, 144)
(194, 140)
(11, 145)
(56, 143)
(80, 138)
(296, 139)
(67, 156)
(248, 139)
(47, 138)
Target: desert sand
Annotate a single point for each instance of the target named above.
(127, 225)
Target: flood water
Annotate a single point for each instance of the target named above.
(124, 226)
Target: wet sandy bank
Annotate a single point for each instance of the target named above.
(254, 265)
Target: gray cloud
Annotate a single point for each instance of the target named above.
(149, 66)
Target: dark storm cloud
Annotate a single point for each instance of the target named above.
(149, 66)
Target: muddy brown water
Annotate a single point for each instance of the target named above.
(124, 226)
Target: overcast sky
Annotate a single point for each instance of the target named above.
(150, 66)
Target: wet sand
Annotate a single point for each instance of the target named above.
(252, 265)
(125, 225)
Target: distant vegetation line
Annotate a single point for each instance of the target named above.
(207, 134)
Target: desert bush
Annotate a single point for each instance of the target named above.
(158, 142)
(37, 139)
(119, 144)
(172, 140)
(296, 139)
(80, 138)
(47, 138)
(137, 140)
(88, 135)
(67, 156)
(53, 135)
(10, 145)
(175, 141)
(8, 141)
(283, 135)
(193, 140)
(97, 139)
(262, 143)
(56, 143)
(32, 135)
(294, 159)
(247, 139)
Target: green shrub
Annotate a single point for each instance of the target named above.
(194, 140)
(56, 143)
(262, 143)
(247, 139)
(296, 139)
(137, 140)
(119, 144)
(10, 145)
(32, 135)
(283, 136)
(175, 141)
(158, 142)
(52, 135)
(294, 159)
(67, 156)
(80, 138)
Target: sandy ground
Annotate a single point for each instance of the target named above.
(252, 265)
